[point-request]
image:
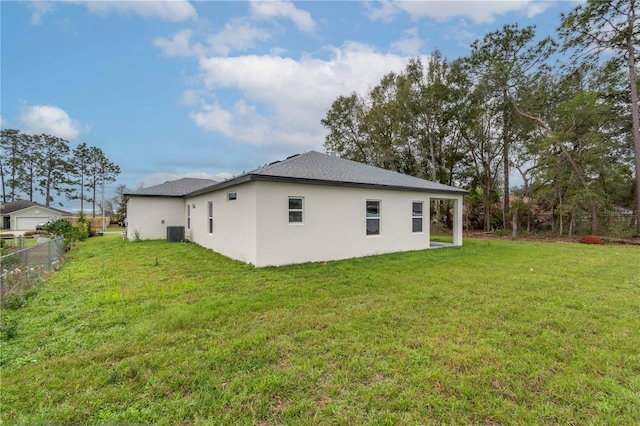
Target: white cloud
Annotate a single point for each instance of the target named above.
(384, 11)
(268, 10)
(538, 8)
(462, 33)
(237, 35)
(479, 11)
(242, 123)
(179, 44)
(51, 120)
(410, 44)
(166, 10)
(191, 97)
(40, 8)
(282, 100)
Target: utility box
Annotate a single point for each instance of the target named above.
(175, 234)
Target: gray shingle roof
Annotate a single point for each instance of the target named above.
(174, 188)
(315, 168)
(18, 205)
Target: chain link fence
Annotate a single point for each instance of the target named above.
(21, 268)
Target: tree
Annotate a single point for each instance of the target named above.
(579, 128)
(482, 140)
(79, 169)
(119, 202)
(405, 123)
(346, 136)
(53, 169)
(31, 158)
(100, 171)
(609, 27)
(501, 59)
(10, 162)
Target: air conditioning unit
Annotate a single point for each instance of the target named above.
(175, 234)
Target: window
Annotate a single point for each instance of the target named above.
(295, 209)
(231, 196)
(188, 216)
(373, 217)
(210, 214)
(416, 216)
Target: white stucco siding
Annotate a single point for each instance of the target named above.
(234, 222)
(149, 217)
(334, 224)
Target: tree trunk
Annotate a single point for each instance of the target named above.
(48, 191)
(635, 120)
(487, 203)
(583, 182)
(505, 159)
(572, 222)
(432, 154)
(94, 198)
(487, 214)
(560, 218)
(82, 191)
(4, 194)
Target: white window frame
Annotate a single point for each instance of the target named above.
(210, 217)
(232, 195)
(188, 216)
(300, 210)
(373, 218)
(414, 216)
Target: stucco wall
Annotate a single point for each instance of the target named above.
(149, 216)
(255, 228)
(234, 222)
(334, 225)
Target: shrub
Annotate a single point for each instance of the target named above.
(590, 239)
(85, 227)
(70, 233)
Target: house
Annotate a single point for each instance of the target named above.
(24, 215)
(151, 210)
(309, 207)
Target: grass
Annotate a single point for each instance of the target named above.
(495, 332)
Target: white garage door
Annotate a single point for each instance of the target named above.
(25, 223)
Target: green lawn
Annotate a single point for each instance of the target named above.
(494, 332)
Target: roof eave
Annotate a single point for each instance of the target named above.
(155, 195)
(267, 178)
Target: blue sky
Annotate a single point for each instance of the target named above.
(169, 89)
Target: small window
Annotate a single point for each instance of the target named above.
(416, 216)
(231, 196)
(295, 209)
(188, 216)
(373, 217)
(210, 215)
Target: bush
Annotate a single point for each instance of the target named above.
(590, 239)
(70, 233)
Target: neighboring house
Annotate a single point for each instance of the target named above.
(309, 207)
(24, 215)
